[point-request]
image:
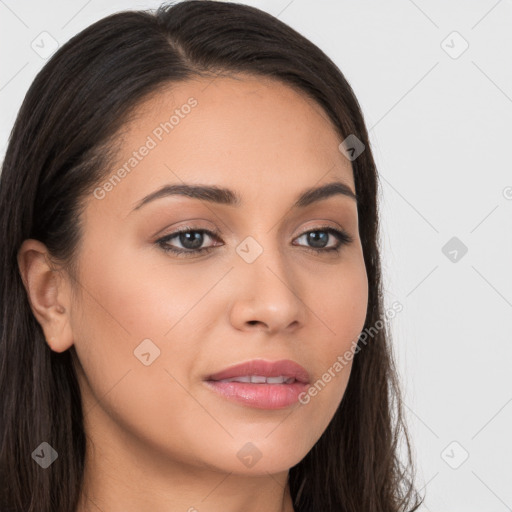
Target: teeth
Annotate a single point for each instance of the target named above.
(258, 379)
(237, 379)
(275, 380)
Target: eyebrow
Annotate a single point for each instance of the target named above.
(225, 196)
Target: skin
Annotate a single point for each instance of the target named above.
(158, 438)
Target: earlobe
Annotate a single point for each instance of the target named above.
(47, 294)
(60, 340)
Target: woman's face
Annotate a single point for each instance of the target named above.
(150, 326)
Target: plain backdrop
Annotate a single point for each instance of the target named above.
(434, 80)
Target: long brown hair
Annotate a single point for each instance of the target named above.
(59, 149)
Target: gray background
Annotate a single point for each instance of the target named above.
(440, 127)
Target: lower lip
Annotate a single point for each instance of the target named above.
(260, 396)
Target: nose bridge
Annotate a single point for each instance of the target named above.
(263, 256)
(269, 292)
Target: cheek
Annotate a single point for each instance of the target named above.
(136, 295)
(340, 304)
(340, 308)
(130, 313)
(128, 303)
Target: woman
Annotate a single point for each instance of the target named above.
(191, 297)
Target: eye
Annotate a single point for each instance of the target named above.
(191, 240)
(319, 237)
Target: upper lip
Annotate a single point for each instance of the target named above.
(284, 367)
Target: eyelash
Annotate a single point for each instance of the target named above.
(343, 238)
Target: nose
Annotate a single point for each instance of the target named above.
(267, 295)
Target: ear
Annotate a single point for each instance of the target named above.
(48, 294)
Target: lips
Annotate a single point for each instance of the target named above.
(259, 371)
(261, 384)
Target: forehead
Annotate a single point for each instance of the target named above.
(255, 135)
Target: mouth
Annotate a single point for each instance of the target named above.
(260, 379)
(261, 384)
